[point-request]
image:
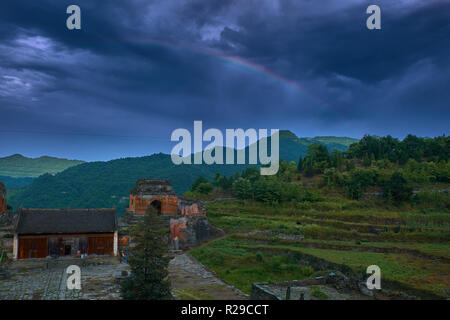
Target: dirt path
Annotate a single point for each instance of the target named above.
(191, 280)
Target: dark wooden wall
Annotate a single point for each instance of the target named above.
(45, 245)
(33, 248)
(101, 245)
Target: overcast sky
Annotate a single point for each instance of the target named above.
(139, 69)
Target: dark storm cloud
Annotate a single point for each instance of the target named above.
(143, 68)
(317, 44)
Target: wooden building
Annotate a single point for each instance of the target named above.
(40, 233)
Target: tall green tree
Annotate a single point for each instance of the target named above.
(317, 159)
(337, 159)
(223, 182)
(251, 173)
(300, 164)
(397, 188)
(242, 188)
(197, 182)
(205, 187)
(148, 279)
(366, 160)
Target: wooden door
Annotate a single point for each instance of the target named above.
(33, 248)
(101, 245)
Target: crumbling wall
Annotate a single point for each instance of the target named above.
(191, 227)
(160, 193)
(260, 292)
(187, 207)
(2, 198)
(188, 231)
(186, 218)
(139, 204)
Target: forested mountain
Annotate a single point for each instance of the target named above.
(20, 166)
(11, 182)
(107, 184)
(291, 147)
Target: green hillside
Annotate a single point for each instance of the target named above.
(20, 166)
(382, 202)
(107, 184)
(11, 182)
(291, 147)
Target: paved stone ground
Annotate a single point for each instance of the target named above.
(191, 280)
(45, 279)
(35, 280)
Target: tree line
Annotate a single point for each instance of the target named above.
(391, 166)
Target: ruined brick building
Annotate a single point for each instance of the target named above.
(186, 218)
(39, 233)
(2, 198)
(191, 225)
(157, 193)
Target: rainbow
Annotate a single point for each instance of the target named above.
(260, 69)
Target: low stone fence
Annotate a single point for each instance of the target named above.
(264, 291)
(260, 292)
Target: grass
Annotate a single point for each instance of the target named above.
(233, 217)
(242, 265)
(242, 262)
(319, 294)
(411, 245)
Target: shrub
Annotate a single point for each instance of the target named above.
(358, 180)
(259, 257)
(204, 187)
(432, 199)
(397, 188)
(242, 188)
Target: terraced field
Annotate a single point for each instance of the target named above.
(269, 243)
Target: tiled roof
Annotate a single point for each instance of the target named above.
(41, 221)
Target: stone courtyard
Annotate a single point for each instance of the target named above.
(44, 279)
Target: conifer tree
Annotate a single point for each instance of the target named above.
(366, 160)
(148, 279)
(300, 164)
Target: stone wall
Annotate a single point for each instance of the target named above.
(259, 292)
(188, 231)
(190, 207)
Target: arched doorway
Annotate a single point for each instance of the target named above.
(157, 205)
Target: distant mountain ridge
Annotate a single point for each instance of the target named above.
(18, 166)
(291, 146)
(107, 184)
